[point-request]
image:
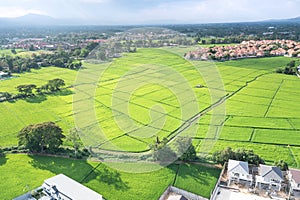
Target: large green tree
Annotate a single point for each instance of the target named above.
(162, 151)
(39, 137)
(224, 155)
(282, 165)
(185, 149)
(55, 84)
(26, 89)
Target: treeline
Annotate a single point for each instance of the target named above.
(183, 150)
(28, 90)
(223, 40)
(115, 48)
(228, 153)
(259, 30)
(59, 58)
(289, 69)
(223, 156)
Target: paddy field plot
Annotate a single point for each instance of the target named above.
(24, 173)
(152, 92)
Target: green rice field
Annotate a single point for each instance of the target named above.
(152, 93)
(108, 182)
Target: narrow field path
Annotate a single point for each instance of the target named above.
(188, 123)
(270, 104)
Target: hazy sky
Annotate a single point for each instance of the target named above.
(154, 11)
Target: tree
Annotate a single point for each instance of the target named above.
(240, 154)
(91, 46)
(185, 150)
(77, 52)
(13, 51)
(26, 90)
(84, 52)
(42, 136)
(162, 152)
(223, 155)
(282, 165)
(55, 84)
(2, 153)
(292, 64)
(5, 96)
(31, 48)
(75, 139)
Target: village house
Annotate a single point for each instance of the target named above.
(269, 177)
(238, 171)
(63, 187)
(248, 49)
(3, 74)
(294, 179)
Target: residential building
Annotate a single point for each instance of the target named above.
(61, 187)
(294, 178)
(238, 171)
(269, 177)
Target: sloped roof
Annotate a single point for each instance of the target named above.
(71, 188)
(295, 175)
(270, 172)
(236, 166)
(177, 197)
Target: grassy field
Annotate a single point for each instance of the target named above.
(147, 94)
(262, 112)
(55, 107)
(121, 99)
(21, 52)
(106, 181)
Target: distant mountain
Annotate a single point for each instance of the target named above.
(30, 19)
(39, 20)
(296, 19)
(44, 20)
(34, 19)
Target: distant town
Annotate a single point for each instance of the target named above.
(247, 49)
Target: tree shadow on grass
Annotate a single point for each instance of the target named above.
(80, 170)
(191, 174)
(11, 101)
(108, 176)
(36, 99)
(63, 92)
(3, 160)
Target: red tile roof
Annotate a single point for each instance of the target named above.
(296, 175)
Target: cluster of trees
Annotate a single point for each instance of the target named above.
(59, 58)
(258, 31)
(27, 90)
(2, 152)
(40, 137)
(282, 165)
(289, 69)
(249, 156)
(115, 47)
(25, 64)
(48, 137)
(223, 40)
(183, 150)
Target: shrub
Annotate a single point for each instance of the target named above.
(282, 165)
(240, 154)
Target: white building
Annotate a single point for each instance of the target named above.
(238, 171)
(294, 178)
(269, 177)
(61, 187)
